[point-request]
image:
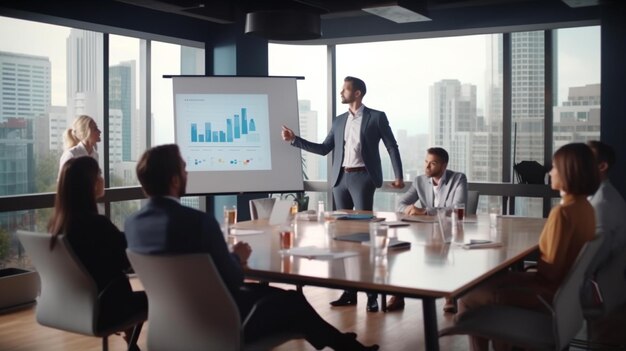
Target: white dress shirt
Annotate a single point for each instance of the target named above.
(352, 139)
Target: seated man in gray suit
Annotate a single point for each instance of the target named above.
(437, 187)
(609, 206)
(164, 226)
(610, 209)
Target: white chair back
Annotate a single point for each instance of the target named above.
(190, 307)
(261, 208)
(69, 295)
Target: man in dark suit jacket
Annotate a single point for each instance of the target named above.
(357, 172)
(164, 226)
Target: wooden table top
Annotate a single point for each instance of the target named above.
(429, 268)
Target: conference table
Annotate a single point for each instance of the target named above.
(429, 270)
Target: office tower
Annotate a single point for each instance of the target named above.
(84, 75)
(578, 119)
(452, 111)
(24, 86)
(311, 164)
(24, 98)
(122, 98)
(57, 118)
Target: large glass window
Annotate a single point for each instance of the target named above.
(307, 61)
(442, 92)
(127, 136)
(310, 63)
(170, 59)
(577, 104)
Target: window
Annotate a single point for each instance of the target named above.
(577, 107)
(312, 102)
(444, 91)
(127, 136)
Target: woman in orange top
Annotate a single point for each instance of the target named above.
(569, 226)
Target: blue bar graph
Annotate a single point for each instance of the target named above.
(238, 127)
(244, 121)
(194, 133)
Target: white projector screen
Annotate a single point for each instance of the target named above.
(229, 133)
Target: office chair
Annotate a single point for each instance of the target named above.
(191, 307)
(472, 202)
(533, 329)
(605, 289)
(261, 208)
(69, 298)
(530, 172)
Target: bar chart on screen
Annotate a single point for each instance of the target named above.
(224, 132)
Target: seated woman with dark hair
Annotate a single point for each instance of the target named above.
(569, 226)
(97, 242)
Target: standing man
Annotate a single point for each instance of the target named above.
(357, 172)
(437, 187)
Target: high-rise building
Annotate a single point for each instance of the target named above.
(24, 86)
(122, 97)
(578, 119)
(308, 130)
(57, 118)
(452, 112)
(84, 75)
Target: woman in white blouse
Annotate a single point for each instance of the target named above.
(81, 139)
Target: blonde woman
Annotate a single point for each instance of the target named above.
(80, 140)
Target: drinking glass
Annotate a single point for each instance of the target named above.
(493, 216)
(459, 209)
(230, 218)
(379, 239)
(286, 236)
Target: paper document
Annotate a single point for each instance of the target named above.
(313, 252)
(238, 231)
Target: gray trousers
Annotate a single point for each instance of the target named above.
(354, 190)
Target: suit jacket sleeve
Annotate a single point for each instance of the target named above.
(460, 190)
(227, 263)
(390, 143)
(409, 198)
(321, 149)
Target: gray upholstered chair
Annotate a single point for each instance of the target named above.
(472, 202)
(261, 208)
(532, 329)
(607, 272)
(69, 296)
(190, 306)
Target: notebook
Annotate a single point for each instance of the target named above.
(364, 238)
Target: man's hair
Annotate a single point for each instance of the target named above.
(577, 169)
(603, 152)
(156, 168)
(440, 152)
(357, 84)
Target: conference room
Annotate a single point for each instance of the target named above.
(496, 83)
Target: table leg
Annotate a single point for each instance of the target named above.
(431, 333)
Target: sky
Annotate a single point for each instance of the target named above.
(398, 73)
